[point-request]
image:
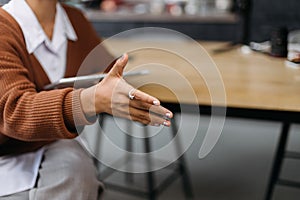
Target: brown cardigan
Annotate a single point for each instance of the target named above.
(30, 117)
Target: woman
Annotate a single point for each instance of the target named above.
(42, 41)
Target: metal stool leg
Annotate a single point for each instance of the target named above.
(101, 119)
(152, 191)
(150, 175)
(278, 160)
(186, 182)
(129, 176)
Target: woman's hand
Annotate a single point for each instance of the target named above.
(111, 96)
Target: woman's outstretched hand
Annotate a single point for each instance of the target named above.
(113, 95)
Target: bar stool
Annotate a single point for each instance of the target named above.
(179, 168)
(280, 155)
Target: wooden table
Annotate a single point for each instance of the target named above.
(256, 86)
(251, 81)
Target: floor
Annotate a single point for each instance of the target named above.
(237, 169)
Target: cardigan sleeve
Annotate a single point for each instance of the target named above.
(26, 114)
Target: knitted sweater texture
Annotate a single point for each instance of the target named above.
(31, 117)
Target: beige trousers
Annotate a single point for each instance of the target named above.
(67, 172)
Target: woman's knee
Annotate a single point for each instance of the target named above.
(68, 166)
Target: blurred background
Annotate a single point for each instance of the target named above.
(200, 19)
(238, 168)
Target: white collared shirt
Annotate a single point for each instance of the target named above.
(19, 173)
(50, 53)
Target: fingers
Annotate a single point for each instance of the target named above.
(156, 118)
(116, 97)
(153, 109)
(145, 117)
(143, 97)
(147, 109)
(149, 118)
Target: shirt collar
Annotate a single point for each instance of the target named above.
(34, 34)
(62, 30)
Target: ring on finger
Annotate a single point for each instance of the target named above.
(131, 94)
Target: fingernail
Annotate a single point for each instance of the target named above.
(168, 115)
(123, 57)
(165, 123)
(156, 124)
(155, 102)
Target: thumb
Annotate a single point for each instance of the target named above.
(118, 68)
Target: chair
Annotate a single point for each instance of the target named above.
(179, 169)
(280, 155)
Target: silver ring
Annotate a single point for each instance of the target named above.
(130, 94)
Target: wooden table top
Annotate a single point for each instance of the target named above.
(183, 72)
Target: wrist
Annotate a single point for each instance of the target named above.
(87, 99)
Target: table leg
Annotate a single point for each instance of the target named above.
(129, 148)
(186, 182)
(150, 175)
(278, 160)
